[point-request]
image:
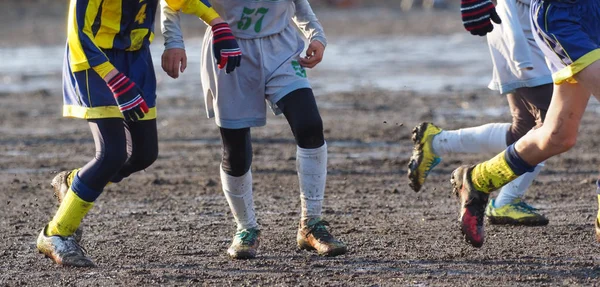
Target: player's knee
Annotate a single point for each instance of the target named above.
(309, 133)
(112, 157)
(236, 162)
(560, 141)
(146, 158)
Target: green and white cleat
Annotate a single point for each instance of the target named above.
(423, 158)
(245, 244)
(64, 251)
(515, 213)
(60, 185)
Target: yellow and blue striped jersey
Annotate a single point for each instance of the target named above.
(95, 25)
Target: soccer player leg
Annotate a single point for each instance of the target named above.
(301, 112)
(472, 185)
(528, 108)
(142, 148)
(431, 143)
(236, 180)
(57, 239)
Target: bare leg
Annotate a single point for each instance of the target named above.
(559, 131)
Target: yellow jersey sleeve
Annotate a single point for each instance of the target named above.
(84, 53)
(200, 8)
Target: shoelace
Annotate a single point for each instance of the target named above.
(319, 230)
(248, 236)
(526, 206)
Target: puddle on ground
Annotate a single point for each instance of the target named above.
(426, 64)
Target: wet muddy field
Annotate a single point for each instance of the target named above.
(170, 225)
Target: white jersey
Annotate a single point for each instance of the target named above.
(255, 19)
(251, 19)
(267, 33)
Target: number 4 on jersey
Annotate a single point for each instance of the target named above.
(141, 15)
(249, 15)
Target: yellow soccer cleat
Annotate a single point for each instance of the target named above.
(245, 244)
(516, 213)
(423, 158)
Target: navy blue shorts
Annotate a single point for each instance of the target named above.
(568, 32)
(87, 96)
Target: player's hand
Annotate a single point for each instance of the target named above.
(173, 62)
(476, 15)
(314, 54)
(226, 48)
(129, 97)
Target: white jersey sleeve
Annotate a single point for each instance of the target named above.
(171, 27)
(308, 23)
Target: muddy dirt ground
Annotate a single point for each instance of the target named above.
(170, 225)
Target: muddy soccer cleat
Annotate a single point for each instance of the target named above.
(245, 244)
(313, 235)
(423, 158)
(516, 213)
(60, 185)
(64, 251)
(597, 228)
(472, 206)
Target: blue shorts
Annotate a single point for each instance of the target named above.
(568, 32)
(87, 96)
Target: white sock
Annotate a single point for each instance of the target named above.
(489, 138)
(517, 188)
(312, 174)
(238, 192)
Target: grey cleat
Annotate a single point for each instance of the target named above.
(61, 186)
(64, 251)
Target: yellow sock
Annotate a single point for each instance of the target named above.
(69, 215)
(492, 174)
(72, 176)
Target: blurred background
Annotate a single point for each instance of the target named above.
(416, 45)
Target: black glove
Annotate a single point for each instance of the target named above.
(476, 15)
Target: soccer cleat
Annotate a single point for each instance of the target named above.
(313, 235)
(423, 158)
(60, 184)
(64, 251)
(597, 227)
(516, 213)
(472, 206)
(245, 243)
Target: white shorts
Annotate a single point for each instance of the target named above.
(506, 77)
(268, 72)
